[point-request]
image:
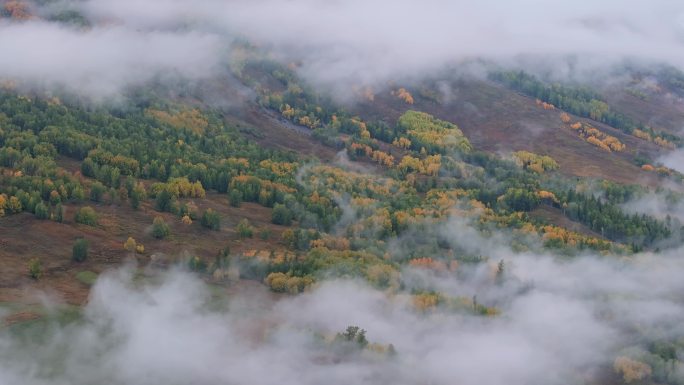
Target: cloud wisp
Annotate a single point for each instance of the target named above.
(337, 41)
(572, 318)
(103, 61)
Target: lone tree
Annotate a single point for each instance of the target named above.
(80, 250)
(281, 215)
(86, 215)
(130, 245)
(244, 229)
(137, 195)
(41, 211)
(60, 212)
(235, 197)
(160, 229)
(97, 191)
(35, 268)
(211, 220)
(354, 334)
(164, 201)
(500, 271)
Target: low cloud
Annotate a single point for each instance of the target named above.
(102, 61)
(658, 205)
(338, 42)
(562, 319)
(674, 160)
(572, 318)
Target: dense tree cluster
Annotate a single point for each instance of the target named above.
(597, 138)
(185, 152)
(534, 162)
(580, 101)
(434, 135)
(170, 158)
(80, 250)
(610, 221)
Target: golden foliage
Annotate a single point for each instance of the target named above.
(383, 158)
(426, 301)
(544, 105)
(3, 204)
(361, 128)
(565, 118)
(365, 92)
(663, 171)
(598, 138)
(130, 245)
(404, 95)
(410, 164)
(428, 263)
(14, 205)
(191, 119)
(239, 180)
(444, 198)
(380, 157)
(181, 188)
(365, 134)
(402, 142)
(631, 370)
(287, 111)
(547, 195)
(430, 165)
(427, 131)
(283, 283)
(308, 122)
(597, 142)
(239, 163)
(17, 10)
(534, 162)
(613, 143)
(359, 149)
(558, 235)
(383, 275)
(299, 116)
(332, 243)
(641, 134)
(54, 101)
(660, 141)
(278, 168)
(664, 143)
(357, 185)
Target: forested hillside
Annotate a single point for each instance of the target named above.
(242, 205)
